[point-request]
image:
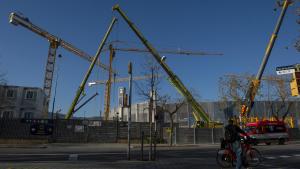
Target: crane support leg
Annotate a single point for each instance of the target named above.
(81, 87)
(49, 74)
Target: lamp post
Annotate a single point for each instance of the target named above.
(129, 107)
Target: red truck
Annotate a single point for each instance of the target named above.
(267, 132)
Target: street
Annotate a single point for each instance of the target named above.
(111, 156)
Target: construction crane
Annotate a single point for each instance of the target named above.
(55, 42)
(255, 83)
(112, 55)
(176, 52)
(108, 84)
(174, 80)
(107, 92)
(87, 75)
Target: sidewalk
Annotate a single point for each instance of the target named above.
(108, 146)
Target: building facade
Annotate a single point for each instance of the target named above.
(22, 102)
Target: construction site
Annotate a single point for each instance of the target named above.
(135, 100)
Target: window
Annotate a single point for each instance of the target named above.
(10, 93)
(28, 115)
(7, 114)
(279, 128)
(30, 94)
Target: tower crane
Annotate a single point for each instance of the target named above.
(255, 83)
(55, 42)
(168, 51)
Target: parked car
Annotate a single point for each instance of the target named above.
(267, 132)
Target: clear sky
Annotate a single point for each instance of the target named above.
(239, 29)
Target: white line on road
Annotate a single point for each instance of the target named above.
(55, 154)
(73, 157)
(271, 158)
(285, 156)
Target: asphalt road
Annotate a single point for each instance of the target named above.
(110, 156)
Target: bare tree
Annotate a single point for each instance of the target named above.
(297, 43)
(278, 91)
(148, 91)
(232, 89)
(167, 105)
(2, 79)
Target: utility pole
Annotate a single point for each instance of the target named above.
(129, 107)
(187, 109)
(150, 113)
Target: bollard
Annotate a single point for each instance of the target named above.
(142, 146)
(155, 138)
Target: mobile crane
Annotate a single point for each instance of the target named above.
(112, 55)
(55, 42)
(83, 82)
(255, 83)
(174, 80)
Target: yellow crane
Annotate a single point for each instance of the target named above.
(55, 42)
(255, 83)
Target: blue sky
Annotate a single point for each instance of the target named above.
(239, 29)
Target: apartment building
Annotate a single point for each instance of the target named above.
(22, 102)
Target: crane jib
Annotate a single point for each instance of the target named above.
(17, 19)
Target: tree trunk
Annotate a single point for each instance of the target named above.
(171, 130)
(150, 125)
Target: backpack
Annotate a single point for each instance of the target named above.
(230, 133)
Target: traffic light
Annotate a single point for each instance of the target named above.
(295, 84)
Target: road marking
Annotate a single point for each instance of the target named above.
(285, 156)
(32, 154)
(65, 154)
(73, 157)
(297, 155)
(271, 158)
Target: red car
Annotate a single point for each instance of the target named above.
(267, 132)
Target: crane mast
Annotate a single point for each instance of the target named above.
(54, 41)
(172, 77)
(108, 84)
(255, 83)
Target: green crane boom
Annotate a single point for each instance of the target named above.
(87, 75)
(175, 81)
